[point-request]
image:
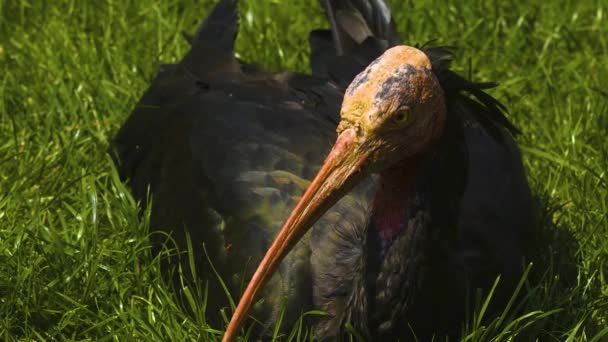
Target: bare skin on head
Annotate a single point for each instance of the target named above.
(392, 111)
(396, 106)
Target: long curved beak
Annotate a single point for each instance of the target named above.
(339, 173)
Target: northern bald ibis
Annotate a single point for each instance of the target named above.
(421, 200)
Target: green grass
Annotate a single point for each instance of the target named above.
(75, 261)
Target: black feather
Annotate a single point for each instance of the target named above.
(220, 27)
(468, 98)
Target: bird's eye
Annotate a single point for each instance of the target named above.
(402, 116)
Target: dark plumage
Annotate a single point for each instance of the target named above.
(228, 150)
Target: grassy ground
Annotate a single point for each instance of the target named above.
(74, 255)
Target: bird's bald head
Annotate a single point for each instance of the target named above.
(396, 103)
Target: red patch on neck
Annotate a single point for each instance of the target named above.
(393, 197)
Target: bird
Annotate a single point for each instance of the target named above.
(383, 189)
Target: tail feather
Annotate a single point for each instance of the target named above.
(354, 21)
(220, 27)
(360, 32)
(212, 45)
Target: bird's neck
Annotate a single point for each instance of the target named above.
(396, 197)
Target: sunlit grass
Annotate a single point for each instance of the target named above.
(75, 261)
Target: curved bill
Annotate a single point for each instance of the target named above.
(339, 173)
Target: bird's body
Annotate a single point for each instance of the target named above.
(228, 151)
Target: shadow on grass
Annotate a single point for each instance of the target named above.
(556, 283)
(554, 303)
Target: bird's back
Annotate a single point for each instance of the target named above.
(225, 154)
